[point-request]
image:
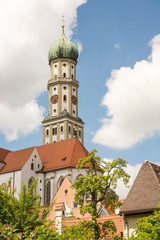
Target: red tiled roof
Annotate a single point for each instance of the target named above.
(3, 154)
(61, 154)
(144, 194)
(54, 156)
(16, 160)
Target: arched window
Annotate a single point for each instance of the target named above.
(60, 181)
(64, 75)
(32, 166)
(31, 180)
(48, 192)
(72, 75)
(64, 98)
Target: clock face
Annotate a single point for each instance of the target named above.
(54, 99)
(74, 99)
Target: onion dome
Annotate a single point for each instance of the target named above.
(63, 48)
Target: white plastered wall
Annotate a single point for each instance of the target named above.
(28, 173)
(15, 181)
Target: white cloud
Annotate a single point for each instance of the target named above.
(132, 102)
(117, 46)
(27, 28)
(121, 189)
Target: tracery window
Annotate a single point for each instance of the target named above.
(48, 192)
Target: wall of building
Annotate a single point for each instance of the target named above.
(129, 222)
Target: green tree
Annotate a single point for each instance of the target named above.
(148, 227)
(20, 217)
(99, 184)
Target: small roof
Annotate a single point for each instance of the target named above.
(54, 156)
(144, 194)
(16, 160)
(3, 154)
(61, 154)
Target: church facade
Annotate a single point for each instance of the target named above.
(62, 132)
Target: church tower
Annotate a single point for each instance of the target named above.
(62, 121)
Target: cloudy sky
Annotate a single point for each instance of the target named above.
(118, 70)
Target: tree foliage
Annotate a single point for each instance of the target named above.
(99, 184)
(148, 227)
(20, 217)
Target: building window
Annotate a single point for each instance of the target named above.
(72, 75)
(74, 90)
(47, 132)
(69, 129)
(31, 180)
(48, 192)
(40, 180)
(73, 112)
(75, 205)
(80, 133)
(32, 166)
(64, 65)
(64, 75)
(64, 88)
(61, 128)
(54, 89)
(55, 65)
(38, 165)
(72, 67)
(54, 131)
(65, 98)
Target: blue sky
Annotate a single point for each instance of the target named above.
(114, 35)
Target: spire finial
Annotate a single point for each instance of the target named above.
(62, 23)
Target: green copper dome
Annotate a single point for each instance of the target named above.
(63, 48)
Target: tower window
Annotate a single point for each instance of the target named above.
(61, 128)
(79, 133)
(54, 131)
(69, 129)
(64, 75)
(73, 89)
(47, 132)
(55, 89)
(54, 110)
(55, 65)
(72, 66)
(65, 98)
(64, 65)
(72, 75)
(64, 88)
(73, 112)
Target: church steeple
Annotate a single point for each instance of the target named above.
(62, 121)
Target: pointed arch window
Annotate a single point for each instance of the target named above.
(31, 180)
(48, 192)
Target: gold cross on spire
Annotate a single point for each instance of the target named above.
(62, 22)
